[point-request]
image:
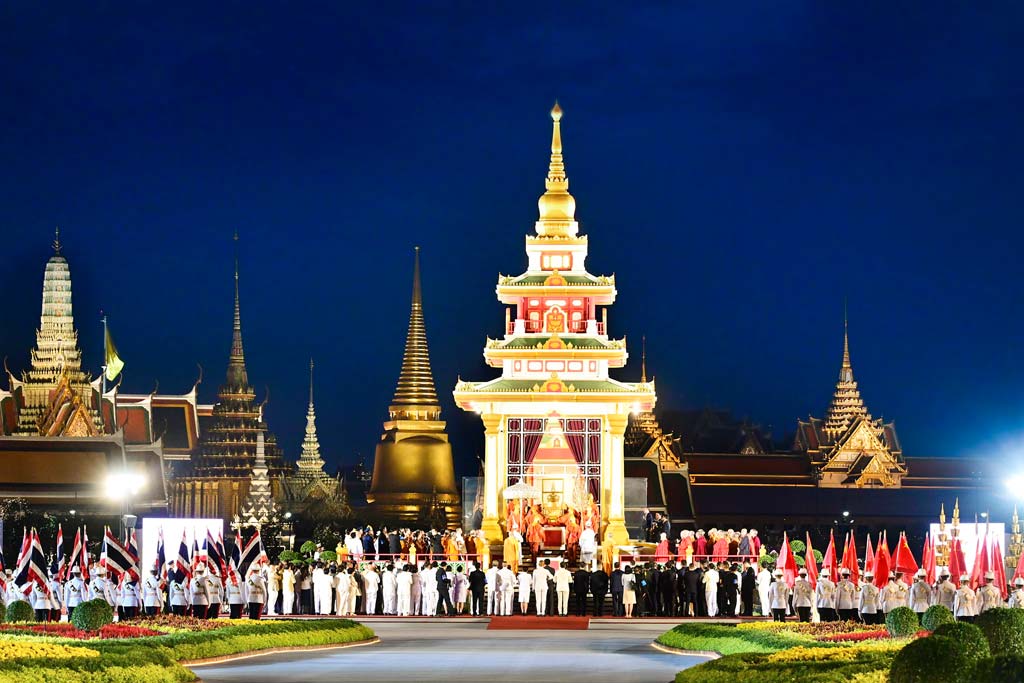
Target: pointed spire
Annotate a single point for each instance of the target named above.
(310, 465)
(846, 404)
(237, 375)
(557, 206)
(846, 345)
(56, 240)
(311, 382)
(643, 359)
(415, 395)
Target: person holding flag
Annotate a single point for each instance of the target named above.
(1016, 600)
(945, 591)
(921, 594)
(152, 594)
(56, 597)
(803, 595)
(58, 567)
(76, 590)
(988, 595)
(778, 596)
(846, 597)
(964, 601)
(869, 598)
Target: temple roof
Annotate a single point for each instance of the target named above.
(502, 385)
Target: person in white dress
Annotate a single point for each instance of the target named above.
(764, 581)
(460, 590)
(389, 585)
(525, 581)
(710, 580)
(628, 591)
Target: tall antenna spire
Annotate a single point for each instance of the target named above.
(310, 381)
(846, 339)
(415, 395)
(56, 240)
(237, 375)
(643, 359)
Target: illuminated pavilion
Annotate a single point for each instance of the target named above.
(554, 419)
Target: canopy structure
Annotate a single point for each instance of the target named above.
(521, 490)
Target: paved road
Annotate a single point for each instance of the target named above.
(467, 652)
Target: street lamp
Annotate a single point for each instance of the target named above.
(846, 513)
(122, 487)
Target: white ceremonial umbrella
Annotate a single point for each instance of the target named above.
(521, 490)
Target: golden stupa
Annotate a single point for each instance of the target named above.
(413, 471)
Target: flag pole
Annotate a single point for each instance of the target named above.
(104, 356)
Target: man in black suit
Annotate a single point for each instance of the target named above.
(667, 592)
(435, 543)
(648, 524)
(695, 589)
(581, 586)
(552, 607)
(615, 583)
(731, 586)
(394, 546)
(444, 587)
(599, 589)
(652, 576)
(477, 583)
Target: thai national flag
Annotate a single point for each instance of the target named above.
(197, 557)
(37, 564)
(85, 552)
(59, 566)
(119, 558)
(133, 555)
(161, 559)
(182, 566)
(223, 554)
(24, 556)
(253, 555)
(76, 554)
(3, 575)
(233, 565)
(214, 557)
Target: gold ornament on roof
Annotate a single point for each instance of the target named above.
(557, 207)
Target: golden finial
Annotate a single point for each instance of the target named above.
(643, 359)
(846, 338)
(557, 206)
(415, 396)
(56, 240)
(942, 513)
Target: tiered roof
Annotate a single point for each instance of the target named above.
(259, 506)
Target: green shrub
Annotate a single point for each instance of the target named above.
(92, 615)
(902, 622)
(935, 616)
(1000, 669)
(3, 611)
(936, 659)
(729, 640)
(867, 667)
(19, 610)
(1004, 629)
(968, 638)
(307, 548)
(288, 556)
(328, 556)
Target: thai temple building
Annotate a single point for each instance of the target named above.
(413, 471)
(61, 437)
(554, 419)
(259, 507)
(310, 490)
(216, 481)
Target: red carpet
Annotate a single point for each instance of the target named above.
(538, 624)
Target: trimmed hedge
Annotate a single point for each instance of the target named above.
(935, 659)
(19, 610)
(968, 638)
(1003, 629)
(1000, 669)
(902, 622)
(3, 611)
(92, 615)
(728, 640)
(935, 616)
(751, 667)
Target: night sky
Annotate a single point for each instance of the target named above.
(742, 169)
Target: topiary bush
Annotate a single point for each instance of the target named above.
(3, 611)
(1000, 669)
(19, 610)
(968, 638)
(902, 622)
(1004, 629)
(936, 659)
(935, 616)
(92, 615)
(328, 556)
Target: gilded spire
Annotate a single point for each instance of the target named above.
(557, 206)
(56, 241)
(237, 375)
(643, 359)
(310, 465)
(846, 404)
(415, 395)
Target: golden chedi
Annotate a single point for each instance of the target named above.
(413, 471)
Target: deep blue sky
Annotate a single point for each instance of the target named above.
(741, 170)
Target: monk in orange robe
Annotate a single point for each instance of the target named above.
(685, 551)
(535, 531)
(572, 534)
(661, 553)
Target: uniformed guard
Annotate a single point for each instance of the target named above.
(101, 588)
(921, 594)
(215, 589)
(75, 591)
(778, 596)
(152, 596)
(41, 600)
(255, 594)
(868, 600)
(803, 596)
(131, 598)
(200, 594)
(825, 593)
(964, 603)
(846, 597)
(945, 591)
(989, 596)
(235, 598)
(1017, 596)
(892, 596)
(14, 594)
(178, 596)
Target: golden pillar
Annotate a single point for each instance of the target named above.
(492, 479)
(613, 475)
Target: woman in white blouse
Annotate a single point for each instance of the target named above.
(628, 590)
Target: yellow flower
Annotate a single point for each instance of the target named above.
(815, 654)
(25, 649)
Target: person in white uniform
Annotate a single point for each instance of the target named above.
(492, 592)
(989, 596)
(868, 600)
(778, 597)
(921, 595)
(403, 590)
(764, 581)
(389, 584)
(846, 596)
(75, 591)
(964, 607)
(541, 578)
(1016, 600)
(525, 581)
(563, 583)
(152, 596)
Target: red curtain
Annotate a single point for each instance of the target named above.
(532, 433)
(573, 430)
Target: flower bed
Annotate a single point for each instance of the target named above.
(65, 630)
(132, 653)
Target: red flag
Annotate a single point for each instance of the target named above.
(809, 563)
(928, 560)
(85, 552)
(980, 563)
(905, 563)
(957, 566)
(869, 556)
(850, 559)
(787, 562)
(999, 567)
(828, 560)
(1019, 574)
(883, 562)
